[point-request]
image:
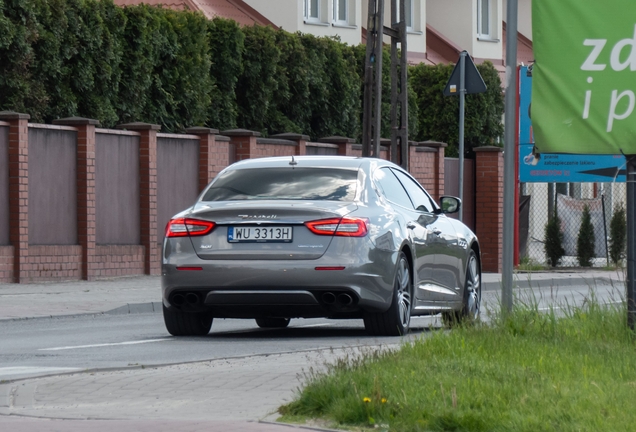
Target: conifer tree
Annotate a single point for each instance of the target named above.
(618, 235)
(554, 240)
(585, 240)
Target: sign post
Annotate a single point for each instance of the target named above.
(465, 79)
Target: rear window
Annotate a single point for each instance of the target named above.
(323, 184)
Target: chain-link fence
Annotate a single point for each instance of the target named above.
(540, 200)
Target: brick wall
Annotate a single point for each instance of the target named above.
(24, 262)
(119, 260)
(489, 206)
(52, 263)
(6, 264)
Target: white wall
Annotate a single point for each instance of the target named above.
(524, 16)
(288, 14)
(457, 21)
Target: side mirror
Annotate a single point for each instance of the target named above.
(450, 204)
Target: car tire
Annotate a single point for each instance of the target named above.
(471, 304)
(394, 321)
(272, 322)
(186, 324)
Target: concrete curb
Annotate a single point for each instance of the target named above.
(554, 282)
(136, 308)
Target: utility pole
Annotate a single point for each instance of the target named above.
(509, 157)
(372, 109)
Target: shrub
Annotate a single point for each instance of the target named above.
(438, 115)
(618, 235)
(585, 240)
(554, 241)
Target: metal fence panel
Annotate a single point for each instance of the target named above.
(543, 203)
(52, 186)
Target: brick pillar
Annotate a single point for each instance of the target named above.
(86, 228)
(300, 139)
(18, 191)
(213, 156)
(489, 171)
(345, 145)
(244, 141)
(148, 193)
(426, 164)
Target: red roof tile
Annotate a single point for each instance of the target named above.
(236, 10)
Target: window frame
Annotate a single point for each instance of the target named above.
(409, 7)
(307, 14)
(416, 185)
(480, 5)
(336, 12)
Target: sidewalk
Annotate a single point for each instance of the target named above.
(211, 396)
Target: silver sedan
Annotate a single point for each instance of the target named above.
(318, 236)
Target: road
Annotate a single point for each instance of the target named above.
(44, 346)
(131, 369)
(49, 345)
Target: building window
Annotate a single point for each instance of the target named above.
(340, 12)
(483, 18)
(312, 10)
(408, 12)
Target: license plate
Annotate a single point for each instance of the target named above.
(278, 234)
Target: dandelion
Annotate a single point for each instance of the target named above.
(366, 399)
(383, 400)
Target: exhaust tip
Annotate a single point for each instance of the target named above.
(192, 298)
(345, 299)
(329, 298)
(178, 300)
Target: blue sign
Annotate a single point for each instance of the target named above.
(559, 168)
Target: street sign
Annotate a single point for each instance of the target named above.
(474, 83)
(566, 168)
(555, 167)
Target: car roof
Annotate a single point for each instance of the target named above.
(326, 161)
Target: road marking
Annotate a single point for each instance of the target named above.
(313, 325)
(22, 370)
(103, 345)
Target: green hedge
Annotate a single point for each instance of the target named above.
(438, 117)
(89, 58)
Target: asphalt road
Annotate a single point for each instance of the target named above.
(45, 346)
(52, 345)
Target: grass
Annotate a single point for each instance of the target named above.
(567, 370)
(529, 264)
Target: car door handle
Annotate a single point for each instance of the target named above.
(437, 231)
(411, 225)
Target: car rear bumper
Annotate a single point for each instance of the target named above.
(277, 288)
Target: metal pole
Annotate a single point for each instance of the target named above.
(377, 109)
(394, 87)
(367, 110)
(631, 242)
(462, 99)
(404, 91)
(509, 157)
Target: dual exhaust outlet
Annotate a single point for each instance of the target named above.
(342, 299)
(190, 298)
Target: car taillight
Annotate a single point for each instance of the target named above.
(346, 227)
(184, 227)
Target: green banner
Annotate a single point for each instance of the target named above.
(584, 78)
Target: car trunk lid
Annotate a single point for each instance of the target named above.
(264, 230)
